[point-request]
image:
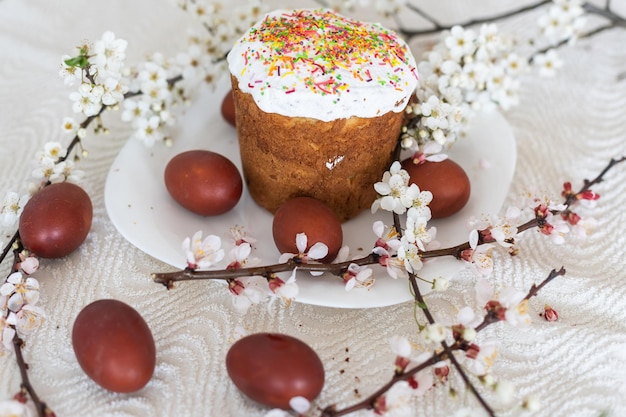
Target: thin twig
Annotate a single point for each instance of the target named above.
(168, 278)
(605, 12)
(419, 298)
(42, 408)
(438, 27)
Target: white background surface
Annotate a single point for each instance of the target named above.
(566, 129)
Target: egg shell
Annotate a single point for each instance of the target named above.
(228, 108)
(446, 180)
(310, 216)
(114, 346)
(272, 368)
(56, 220)
(203, 182)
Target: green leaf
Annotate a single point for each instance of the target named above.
(79, 61)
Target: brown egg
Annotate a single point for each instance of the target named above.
(228, 108)
(272, 368)
(446, 180)
(56, 220)
(203, 182)
(114, 346)
(310, 216)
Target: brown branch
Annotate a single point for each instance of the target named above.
(42, 409)
(447, 353)
(370, 402)
(169, 278)
(419, 298)
(534, 289)
(439, 27)
(18, 343)
(606, 13)
(565, 41)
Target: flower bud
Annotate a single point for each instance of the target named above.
(440, 284)
(442, 372)
(505, 391)
(434, 333)
(469, 334)
(550, 314)
(531, 403)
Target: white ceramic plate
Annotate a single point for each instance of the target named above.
(144, 213)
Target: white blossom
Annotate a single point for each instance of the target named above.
(203, 253)
(66, 171)
(318, 250)
(87, 99)
(299, 404)
(401, 346)
(511, 301)
(148, 130)
(28, 319)
(416, 230)
(547, 63)
(28, 264)
(434, 332)
(108, 55)
(397, 402)
(52, 150)
(45, 168)
(20, 291)
(532, 403)
(286, 290)
(13, 408)
(248, 291)
(440, 284)
(460, 42)
(564, 20)
(396, 193)
(11, 209)
(6, 336)
(484, 359)
(135, 110)
(69, 125)
(70, 74)
(360, 276)
(409, 254)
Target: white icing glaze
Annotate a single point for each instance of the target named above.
(318, 64)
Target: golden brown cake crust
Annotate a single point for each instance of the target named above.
(336, 162)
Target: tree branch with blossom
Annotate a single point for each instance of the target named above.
(372, 402)
(483, 236)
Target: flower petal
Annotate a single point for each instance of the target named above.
(318, 251)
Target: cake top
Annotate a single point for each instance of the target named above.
(318, 64)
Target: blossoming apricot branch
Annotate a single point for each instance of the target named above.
(413, 378)
(403, 252)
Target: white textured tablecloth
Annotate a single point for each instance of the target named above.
(566, 128)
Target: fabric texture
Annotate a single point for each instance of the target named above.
(566, 128)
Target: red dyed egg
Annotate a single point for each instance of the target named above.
(273, 368)
(446, 180)
(203, 182)
(56, 220)
(114, 346)
(228, 108)
(310, 216)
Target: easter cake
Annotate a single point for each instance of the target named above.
(319, 101)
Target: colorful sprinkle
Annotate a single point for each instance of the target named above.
(314, 44)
